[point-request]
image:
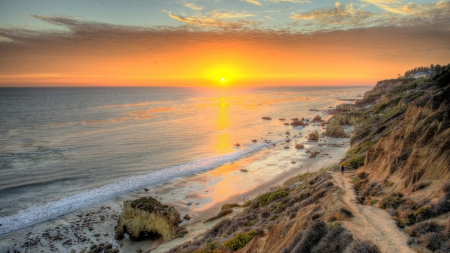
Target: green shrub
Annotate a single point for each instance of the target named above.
(280, 208)
(364, 247)
(241, 239)
(433, 240)
(392, 201)
(388, 183)
(423, 228)
(355, 161)
(335, 241)
(269, 197)
(229, 206)
(311, 237)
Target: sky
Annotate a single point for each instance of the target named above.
(218, 42)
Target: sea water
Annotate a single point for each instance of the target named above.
(66, 148)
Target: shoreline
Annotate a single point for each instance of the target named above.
(224, 184)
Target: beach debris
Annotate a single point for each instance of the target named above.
(282, 119)
(244, 170)
(288, 140)
(288, 133)
(299, 146)
(313, 110)
(293, 162)
(286, 147)
(146, 217)
(267, 118)
(187, 217)
(254, 140)
(237, 145)
(286, 124)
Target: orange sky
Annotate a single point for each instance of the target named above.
(94, 53)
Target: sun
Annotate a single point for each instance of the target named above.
(223, 79)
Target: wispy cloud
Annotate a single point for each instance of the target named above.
(193, 6)
(340, 15)
(268, 17)
(256, 2)
(217, 19)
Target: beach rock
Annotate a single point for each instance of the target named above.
(288, 140)
(187, 217)
(294, 119)
(282, 119)
(286, 124)
(297, 123)
(316, 119)
(299, 146)
(286, 147)
(334, 129)
(147, 216)
(254, 140)
(237, 145)
(288, 133)
(314, 136)
(244, 170)
(267, 118)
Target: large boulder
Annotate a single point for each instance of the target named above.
(147, 216)
(334, 129)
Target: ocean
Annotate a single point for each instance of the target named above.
(62, 149)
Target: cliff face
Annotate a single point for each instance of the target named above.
(419, 148)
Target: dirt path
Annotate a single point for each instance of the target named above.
(371, 223)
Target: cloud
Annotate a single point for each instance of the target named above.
(268, 17)
(217, 19)
(256, 2)
(193, 6)
(112, 51)
(423, 10)
(341, 15)
(290, 1)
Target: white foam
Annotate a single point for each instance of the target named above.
(49, 210)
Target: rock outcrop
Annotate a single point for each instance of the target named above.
(344, 107)
(147, 217)
(334, 129)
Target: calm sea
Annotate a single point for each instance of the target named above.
(66, 148)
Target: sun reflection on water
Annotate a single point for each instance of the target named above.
(223, 139)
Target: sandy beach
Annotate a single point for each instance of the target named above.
(200, 196)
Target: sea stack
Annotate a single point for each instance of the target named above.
(146, 216)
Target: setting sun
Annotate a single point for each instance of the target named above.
(223, 79)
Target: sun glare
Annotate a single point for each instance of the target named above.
(223, 79)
